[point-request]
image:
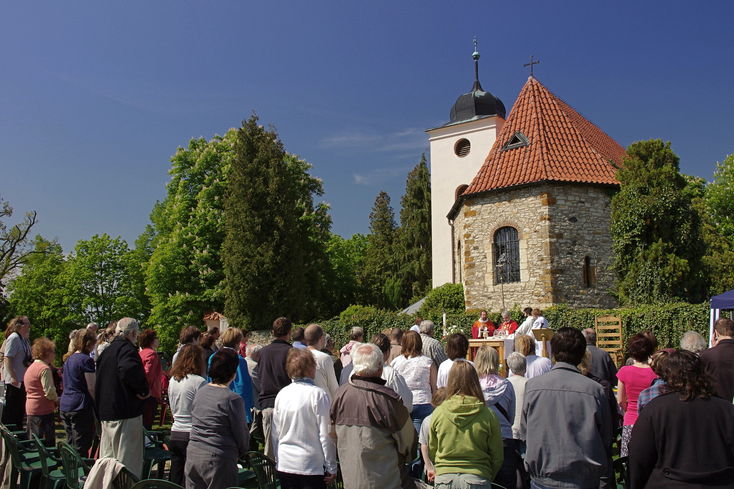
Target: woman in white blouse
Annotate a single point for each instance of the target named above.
(419, 373)
(186, 379)
(305, 453)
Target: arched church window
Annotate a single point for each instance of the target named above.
(460, 190)
(506, 255)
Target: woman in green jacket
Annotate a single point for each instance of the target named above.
(465, 441)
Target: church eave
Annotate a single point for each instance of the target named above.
(459, 203)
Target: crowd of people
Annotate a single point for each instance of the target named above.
(388, 412)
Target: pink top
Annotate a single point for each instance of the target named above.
(36, 402)
(635, 380)
(153, 371)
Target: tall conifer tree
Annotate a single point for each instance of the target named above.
(414, 235)
(380, 266)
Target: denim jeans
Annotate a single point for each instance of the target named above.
(461, 481)
(419, 413)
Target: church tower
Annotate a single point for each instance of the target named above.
(458, 150)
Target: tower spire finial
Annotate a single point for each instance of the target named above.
(475, 55)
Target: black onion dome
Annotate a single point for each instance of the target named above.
(476, 103)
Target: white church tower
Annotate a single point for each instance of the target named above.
(458, 150)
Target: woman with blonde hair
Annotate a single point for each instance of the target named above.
(499, 394)
(465, 442)
(535, 365)
(419, 373)
(242, 383)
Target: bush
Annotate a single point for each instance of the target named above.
(668, 322)
(446, 298)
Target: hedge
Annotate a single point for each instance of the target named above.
(667, 321)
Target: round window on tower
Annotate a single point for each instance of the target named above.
(462, 147)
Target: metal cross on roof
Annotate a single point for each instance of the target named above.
(536, 62)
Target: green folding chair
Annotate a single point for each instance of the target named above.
(156, 484)
(73, 466)
(24, 457)
(155, 453)
(264, 468)
(51, 475)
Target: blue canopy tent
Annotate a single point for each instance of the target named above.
(719, 303)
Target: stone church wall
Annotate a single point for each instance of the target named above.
(558, 226)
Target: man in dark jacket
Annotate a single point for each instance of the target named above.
(120, 390)
(273, 376)
(719, 360)
(602, 366)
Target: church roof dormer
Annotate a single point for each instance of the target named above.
(544, 139)
(477, 103)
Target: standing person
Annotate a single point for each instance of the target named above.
(305, 452)
(189, 334)
(516, 364)
(41, 396)
(431, 348)
(374, 435)
(633, 379)
(719, 360)
(683, 438)
(77, 399)
(218, 436)
(527, 324)
(693, 341)
(298, 339)
(209, 342)
(500, 396)
(93, 328)
(539, 322)
(356, 336)
(465, 442)
(658, 364)
(457, 347)
(419, 373)
(508, 325)
(148, 342)
(17, 358)
(425, 434)
(329, 349)
(396, 336)
(482, 327)
(602, 366)
(535, 365)
(121, 389)
(392, 379)
(186, 380)
(273, 376)
(565, 421)
(325, 376)
(242, 383)
(104, 339)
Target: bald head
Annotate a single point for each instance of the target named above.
(313, 336)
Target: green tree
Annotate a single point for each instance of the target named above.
(346, 259)
(720, 198)
(655, 229)
(414, 235)
(99, 282)
(379, 274)
(274, 249)
(181, 251)
(14, 242)
(39, 292)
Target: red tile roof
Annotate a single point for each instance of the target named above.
(563, 146)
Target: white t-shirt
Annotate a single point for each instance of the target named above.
(425, 430)
(417, 374)
(442, 379)
(325, 374)
(301, 425)
(536, 366)
(181, 399)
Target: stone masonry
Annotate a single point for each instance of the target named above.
(564, 241)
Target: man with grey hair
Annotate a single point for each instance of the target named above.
(602, 366)
(374, 431)
(120, 389)
(517, 365)
(693, 342)
(431, 347)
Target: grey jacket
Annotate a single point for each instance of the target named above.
(566, 422)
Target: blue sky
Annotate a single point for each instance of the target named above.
(96, 96)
